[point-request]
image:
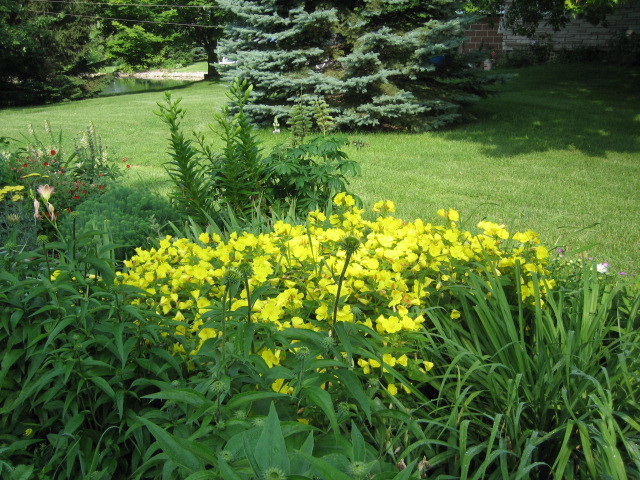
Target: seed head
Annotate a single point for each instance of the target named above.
(274, 473)
(350, 244)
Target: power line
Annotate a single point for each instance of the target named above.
(134, 21)
(122, 4)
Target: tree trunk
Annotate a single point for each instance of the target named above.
(212, 62)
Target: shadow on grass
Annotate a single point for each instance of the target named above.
(593, 109)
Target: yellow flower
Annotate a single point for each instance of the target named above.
(28, 432)
(270, 358)
(392, 389)
(427, 366)
(204, 237)
(455, 314)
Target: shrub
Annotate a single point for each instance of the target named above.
(239, 178)
(343, 348)
(130, 216)
(89, 389)
(382, 275)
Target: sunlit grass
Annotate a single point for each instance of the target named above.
(557, 151)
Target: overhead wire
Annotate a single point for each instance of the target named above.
(197, 25)
(81, 2)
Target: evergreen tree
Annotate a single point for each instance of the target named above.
(277, 45)
(380, 64)
(401, 71)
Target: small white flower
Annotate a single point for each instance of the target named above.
(602, 267)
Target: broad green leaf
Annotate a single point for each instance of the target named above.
(271, 450)
(358, 444)
(203, 475)
(173, 446)
(226, 471)
(324, 468)
(250, 397)
(351, 382)
(322, 399)
(298, 463)
(73, 423)
(102, 384)
(181, 395)
(21, 472)
(406, 472)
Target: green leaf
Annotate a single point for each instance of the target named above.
(250, 397)
(351, 382)
(173, 446)
(102, 384)
(324, 468)
(298, 463)
(271, 450)
(203, 475)
(181, 395)
(21, 472)
(73, 423)
(322, 399)
(357, 442)
(405, 473)
(226, 471)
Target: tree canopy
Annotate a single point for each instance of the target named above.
(42, 51)
(152, 30)
(378, 64)
(524, 16)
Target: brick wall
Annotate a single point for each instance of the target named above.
(485, 34)
(580, 33)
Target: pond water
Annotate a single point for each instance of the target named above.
(118, 86)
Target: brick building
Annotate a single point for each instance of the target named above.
(490, 34)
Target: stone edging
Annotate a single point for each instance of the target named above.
(160, 74)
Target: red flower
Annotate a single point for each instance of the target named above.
(25, 165)
(46, 164)
(76, 197)
(128, 166)
(101, 187)
(53, 153)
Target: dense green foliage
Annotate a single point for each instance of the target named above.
(239, 178)
(130, 217)
(379, 65)
(43, 51)
(524, 16)
(154, 33)
(94, 383)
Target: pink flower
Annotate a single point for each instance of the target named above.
(45, 192)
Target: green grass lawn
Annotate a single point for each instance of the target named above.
(557, 150)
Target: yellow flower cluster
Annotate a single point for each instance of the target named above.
(399, 269)
(15, 191)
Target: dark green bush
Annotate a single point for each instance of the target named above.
(130, 216)
(300, 176)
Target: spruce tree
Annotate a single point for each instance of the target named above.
(402, 69)
(379, 64)
(277, 45)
